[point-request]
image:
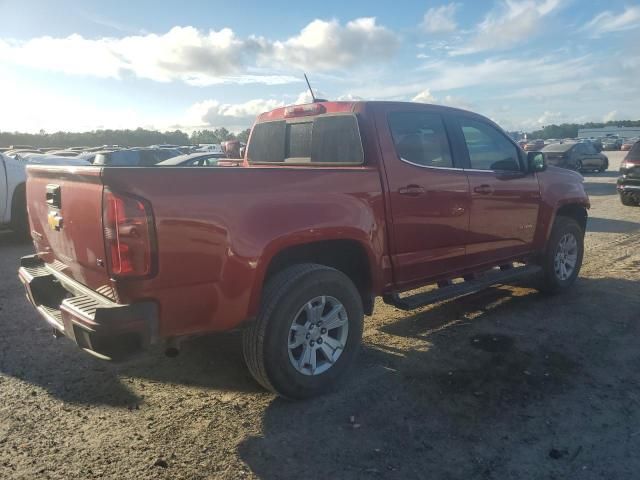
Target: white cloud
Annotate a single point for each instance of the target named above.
(608, 21)
(550, 117)
(612, 115)
(424, 96)
(213, 114)
(510, 24)
(440, 19)
(205, 58)
(323, 45)
(495, 71)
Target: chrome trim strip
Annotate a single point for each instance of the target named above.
(428, 166)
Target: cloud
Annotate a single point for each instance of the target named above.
(440, 19)
(323, 45)
(495, 71)
(608, 21)
(213, 114)
(208, 57)
(510, 24)
(424, 96)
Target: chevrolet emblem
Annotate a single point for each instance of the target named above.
(55, 221)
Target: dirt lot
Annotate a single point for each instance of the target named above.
(505, 384)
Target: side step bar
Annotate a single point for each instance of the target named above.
(448, 291)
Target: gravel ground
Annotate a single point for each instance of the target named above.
(504, 384)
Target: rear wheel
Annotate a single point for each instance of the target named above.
(307, 333)
(562, 259)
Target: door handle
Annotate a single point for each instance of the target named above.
(483, 189)
(411, 190)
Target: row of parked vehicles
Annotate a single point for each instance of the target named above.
(14, 160)
(599, 144)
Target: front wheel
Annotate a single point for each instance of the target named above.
(562, 259)
(307, 333)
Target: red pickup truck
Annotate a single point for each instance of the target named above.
(335, 204)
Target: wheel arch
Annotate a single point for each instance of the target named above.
(350, 256)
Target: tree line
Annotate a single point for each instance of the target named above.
(139, 137)
(570, 130)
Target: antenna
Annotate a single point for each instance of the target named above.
(313, 97)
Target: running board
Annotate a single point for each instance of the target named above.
(448, 290)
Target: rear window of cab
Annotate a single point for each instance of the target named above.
(320, 140)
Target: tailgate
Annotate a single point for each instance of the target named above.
(65, 214)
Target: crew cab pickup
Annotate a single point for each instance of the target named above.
(335, 204)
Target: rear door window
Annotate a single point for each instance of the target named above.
(329, 139)
(420, 138)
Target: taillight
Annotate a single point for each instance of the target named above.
(304, 110)
(128, 235)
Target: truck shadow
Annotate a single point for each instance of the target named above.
(457, 383)
(419, 369)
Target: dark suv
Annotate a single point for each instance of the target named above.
(629, 182)
(134, 157)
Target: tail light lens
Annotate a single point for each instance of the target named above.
(128, 235)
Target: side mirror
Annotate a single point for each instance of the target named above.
(536, 162)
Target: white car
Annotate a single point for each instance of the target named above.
(210, 147)
(13, 206)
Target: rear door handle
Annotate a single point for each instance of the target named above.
(483, 189)
(411, 190)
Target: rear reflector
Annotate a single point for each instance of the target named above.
(128, 235)
(304, 110)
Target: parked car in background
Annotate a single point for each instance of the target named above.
(628, 144)
(628, 184)
(534, 146)
(579, 156)
(610, 143)
(336, 203)
(210, 147)
(133, 157)
(198, 159)
(64, 153)
(597, 144)
(13, 206)
(50, 159)
(21, 152)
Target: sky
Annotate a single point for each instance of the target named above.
(78, 66)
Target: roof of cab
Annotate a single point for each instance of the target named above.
(349, 106)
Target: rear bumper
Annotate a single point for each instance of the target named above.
(626, 184)
(108, 330)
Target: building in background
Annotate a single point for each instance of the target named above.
(623, 132)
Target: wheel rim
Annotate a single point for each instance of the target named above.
(318, 335)
(566, 256)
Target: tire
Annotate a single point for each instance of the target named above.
(553, 278)
(578, 165)
(267, 340)
(628, 200)
(19, 218)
